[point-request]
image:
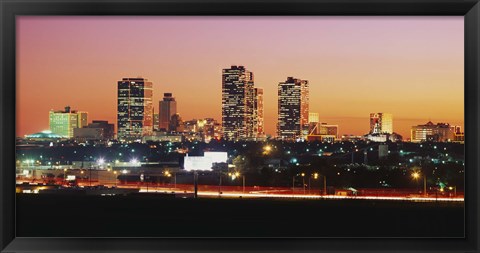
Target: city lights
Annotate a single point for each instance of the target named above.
(165, 145)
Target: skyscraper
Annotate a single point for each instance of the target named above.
(167, 108)
(63, 122)
(258, 119)
(237, 103)
(293, 108)
(135, 109)
(381, 123)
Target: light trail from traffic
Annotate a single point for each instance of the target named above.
(306, 196)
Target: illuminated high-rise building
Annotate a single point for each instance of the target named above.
(63, 122)
(293, 109)
(313, 117)
(381, 123)
(135, 108)
(82, 119)
(258, 118)
(167, 108)
(237, 103)
(156, 121)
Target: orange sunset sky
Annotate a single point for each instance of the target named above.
(412, 67)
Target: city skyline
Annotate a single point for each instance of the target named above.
(390, 82)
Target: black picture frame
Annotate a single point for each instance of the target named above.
(470, 9)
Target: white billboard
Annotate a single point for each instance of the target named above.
(204, 162)
(217, 157)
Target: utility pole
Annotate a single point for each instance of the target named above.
(243, 183)
(303, 180)
(309, 188)
(220, 185)
(425, 185)
(324, 185)
(293, 185)
(90, 176)
(195, 184)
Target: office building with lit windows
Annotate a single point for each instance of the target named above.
(313, 117)
(440, 132)
(258, 118)
(156, 121)
(313, 121)
(381, 123)
(135, 108)
(381, 128)
(237, 103)
(293, 109)
(322, 131)
(63, 122)
(167, 108)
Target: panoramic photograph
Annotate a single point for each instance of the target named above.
(186, 126)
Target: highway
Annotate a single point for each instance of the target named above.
(287, 194)
(215, 191)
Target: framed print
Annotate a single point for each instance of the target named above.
(252, 126)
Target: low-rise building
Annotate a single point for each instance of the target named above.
(97, 130)
(440, 132)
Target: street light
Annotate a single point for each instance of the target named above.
(124, 172)
(243, 179)
(115, 178)
(293, 183)
(303, 180)
(417, 175)
(236, 175)
(267, 149)
(315, 176)
(175, 180)
(168, 174)
(220, 183)
(455, 190)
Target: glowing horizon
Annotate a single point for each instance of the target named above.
(411, 67)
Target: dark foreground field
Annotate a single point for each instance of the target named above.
(153, 216)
